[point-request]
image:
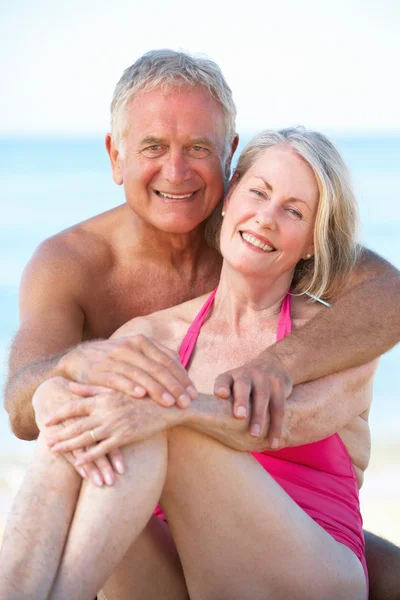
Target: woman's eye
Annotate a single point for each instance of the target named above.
(258, 193)
(295, 213)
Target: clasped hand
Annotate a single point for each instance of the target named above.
(48, 398)
(140, 366)
(112, 418)
(136, 368)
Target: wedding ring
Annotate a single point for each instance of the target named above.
(92, 433)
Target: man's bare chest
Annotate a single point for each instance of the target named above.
(118, 299)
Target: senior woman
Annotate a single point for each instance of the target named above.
(245, 519)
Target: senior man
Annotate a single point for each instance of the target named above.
(171, 145)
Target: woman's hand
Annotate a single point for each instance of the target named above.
(111, 418)
(48, 398)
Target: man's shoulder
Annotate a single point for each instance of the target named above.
(86, 245)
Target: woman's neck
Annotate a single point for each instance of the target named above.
(245, 302)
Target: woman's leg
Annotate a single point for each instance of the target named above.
(67, 537)
(105, 524)
(150, 569)
(239, 535)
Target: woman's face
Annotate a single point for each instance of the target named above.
(270, 214)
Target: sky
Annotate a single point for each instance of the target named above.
(326, 65)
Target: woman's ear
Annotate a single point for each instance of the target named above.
(309, 253)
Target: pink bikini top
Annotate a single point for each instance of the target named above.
(190, 339)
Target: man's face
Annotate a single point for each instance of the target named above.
(172, 166)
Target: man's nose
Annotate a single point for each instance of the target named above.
(175, 168)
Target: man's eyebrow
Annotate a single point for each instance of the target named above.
(269, 187)
(150, 140)
(197, 141)
(202, 141)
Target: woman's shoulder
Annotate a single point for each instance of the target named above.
(167, 326)
(304, 308)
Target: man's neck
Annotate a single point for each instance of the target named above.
(182, 252)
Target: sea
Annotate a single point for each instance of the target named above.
(47, 185)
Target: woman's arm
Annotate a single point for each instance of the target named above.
(314, 411)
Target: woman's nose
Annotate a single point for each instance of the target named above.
(267, 216)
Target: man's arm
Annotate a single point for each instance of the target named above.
(51, 322)
(314, 411)
(360, 326)
(56, 285)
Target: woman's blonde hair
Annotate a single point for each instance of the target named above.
(335, 247)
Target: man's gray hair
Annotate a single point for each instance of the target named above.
(165, 69)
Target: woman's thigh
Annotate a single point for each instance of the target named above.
(150, 569)
(239, 535)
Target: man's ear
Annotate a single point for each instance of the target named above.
(228, 161)
(115, 159)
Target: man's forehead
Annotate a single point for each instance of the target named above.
(192, 138)
(193, 103)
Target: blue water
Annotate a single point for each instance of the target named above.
(48, 185)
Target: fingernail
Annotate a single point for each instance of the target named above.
(139, 390)
(222, 390)
(241, 411)
(82, 473)
(184, 400)
(192, 392)
(109, 479)
(119, 466)
(255, 430)
(50, 442)
(79, 462)
(275, 444)
(48, 421)
(168, 399)
(56, 448)
(98, 480)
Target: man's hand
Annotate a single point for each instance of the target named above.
(135, 365)
(267, 384)
(55, 393)
(113, 418)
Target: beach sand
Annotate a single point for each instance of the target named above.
(379, 496)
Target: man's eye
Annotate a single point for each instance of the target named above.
(153, 150)
(198, 151)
